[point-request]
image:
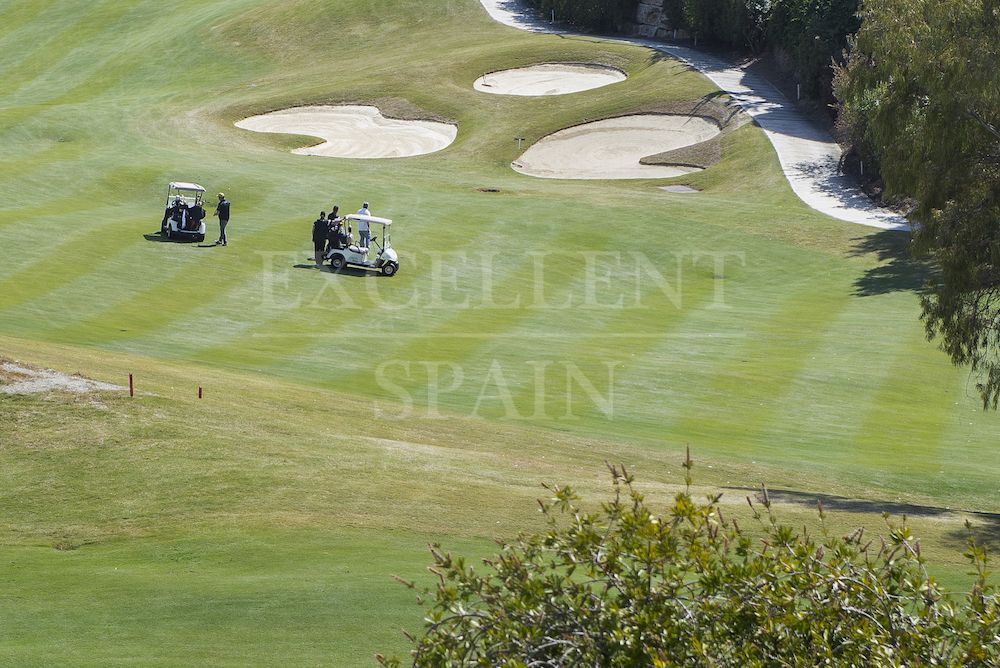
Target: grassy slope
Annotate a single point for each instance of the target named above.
(799, 381)
(262, 522)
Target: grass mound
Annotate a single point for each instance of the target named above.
(703, 154)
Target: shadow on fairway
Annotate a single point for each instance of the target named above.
(898, 269)
(159, 238)
(346, 271)
(873, 506)
(985, 526)
(987, 533)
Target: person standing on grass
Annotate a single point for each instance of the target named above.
(222, 211)
(320, 230)
(364, 231)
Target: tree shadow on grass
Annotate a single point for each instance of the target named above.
(868, 506)
(897, 270)
(986, 532)
(985, 525)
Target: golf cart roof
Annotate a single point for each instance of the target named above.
(370, 219)
(181, 185)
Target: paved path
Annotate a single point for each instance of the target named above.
(808, 154)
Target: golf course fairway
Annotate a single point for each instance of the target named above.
(536, 329)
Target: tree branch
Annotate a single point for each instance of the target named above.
(989, 127)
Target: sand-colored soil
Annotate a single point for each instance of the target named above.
(19, 379)
(612, 148)
(351, 131)
(548, 79)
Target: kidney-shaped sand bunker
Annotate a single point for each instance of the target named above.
(548, 79)
(612, 148)
(351, 131)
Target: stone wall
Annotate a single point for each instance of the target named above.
(650, 21)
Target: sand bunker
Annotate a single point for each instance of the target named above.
(18, 379)
(355, 132)
(548, 79)
(612, 148)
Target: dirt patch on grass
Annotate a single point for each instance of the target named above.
(18, 378)
(9, 376)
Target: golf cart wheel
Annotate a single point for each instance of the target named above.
(389, 269)
(170, 234)
(337, 261)
(199, 237)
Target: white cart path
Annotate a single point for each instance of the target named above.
(808, 155)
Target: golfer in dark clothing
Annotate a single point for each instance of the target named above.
(320, 229)
(222, 211)
(333, 226)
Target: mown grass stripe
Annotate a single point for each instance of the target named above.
(753, 385)
(891, 426)
(60, 40)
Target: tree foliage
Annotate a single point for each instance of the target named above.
(923, 85)
(592, 14)
(740, 24)
(627, 586)
(812, 34)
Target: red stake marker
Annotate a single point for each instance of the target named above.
(131, 386)
(199, 391)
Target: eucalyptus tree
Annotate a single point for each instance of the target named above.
(923, 83)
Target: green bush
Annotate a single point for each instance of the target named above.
(626, 587)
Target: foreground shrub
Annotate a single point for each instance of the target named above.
(627, 587)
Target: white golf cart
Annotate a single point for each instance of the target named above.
(184, 217)
(386, 261)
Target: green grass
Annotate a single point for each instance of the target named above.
(225, 599)
(263, 522)
(810, 374)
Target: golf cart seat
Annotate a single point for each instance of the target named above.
(357, 249)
